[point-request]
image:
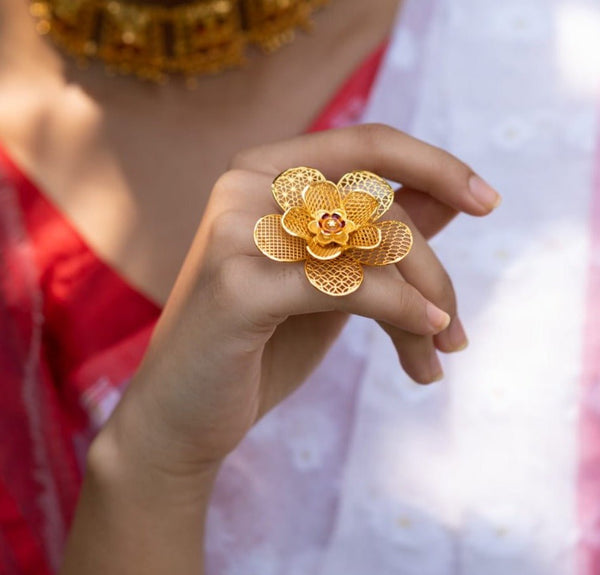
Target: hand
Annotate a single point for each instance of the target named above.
(240, 332)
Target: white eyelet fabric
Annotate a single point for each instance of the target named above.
(372, 474)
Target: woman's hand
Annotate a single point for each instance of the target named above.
(240, 332)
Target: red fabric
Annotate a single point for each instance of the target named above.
(73, 332)
(347, 105)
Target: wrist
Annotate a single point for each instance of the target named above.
(136, 517)
(125, 458)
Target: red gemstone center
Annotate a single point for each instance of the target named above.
(331, 223)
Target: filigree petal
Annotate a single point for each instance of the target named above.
(295, 222)
(396, 242)
(360, 207)
(342, 237)
(338, 277)
(323, 252)
(273, 241)
(288, 186)
(313, 227)
(322, 197)
(370, 183)
(366, 238)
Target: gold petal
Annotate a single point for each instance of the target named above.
(366, 238)
(350, 226)
(323, 239)
(322, 252)
(287, 187)
(360, 207)
(396, 242)
(322, 197)
(338, 277)
(313, 227)
(341, 237)
(273, 241)
(295, 222)
(370, 183)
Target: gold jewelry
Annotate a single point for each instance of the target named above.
(333, 228)
(188, 39)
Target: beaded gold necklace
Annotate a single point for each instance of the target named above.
(188, 39)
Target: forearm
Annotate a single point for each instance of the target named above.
(134, 518)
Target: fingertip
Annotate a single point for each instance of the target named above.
(436, 369)
(453, 339)
(428, 380)
(438, 319)
(484, 195)
(427, 372)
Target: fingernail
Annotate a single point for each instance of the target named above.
(437, 373)
(485, 195)
(438, 318)
(457, 336)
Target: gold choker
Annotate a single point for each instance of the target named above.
(186, 39)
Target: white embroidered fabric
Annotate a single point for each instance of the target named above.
(371, 473)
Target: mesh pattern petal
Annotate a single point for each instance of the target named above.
(396, 242)
(288, 186)
(322, 196)
(338, 277)
(360, 207)
(361, 198)
(372, 184)
(323, 252)
(295, 221)
(366, 237)
(273, 241)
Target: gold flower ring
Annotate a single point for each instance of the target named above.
(333, 228)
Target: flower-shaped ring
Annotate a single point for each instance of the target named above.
(333, 228)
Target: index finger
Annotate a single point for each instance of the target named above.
(386, 151)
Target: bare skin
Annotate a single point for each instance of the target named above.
(102, 148)
(152, 467)
(134, 168)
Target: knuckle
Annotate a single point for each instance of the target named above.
(255, 161)
(376, 129)
(226, 227)
(243, 159)
(373, 135)
(234, 291)
(230, 182)
(228, 285)
(238, 159)
(405, 299)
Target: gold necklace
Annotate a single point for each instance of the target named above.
(188, 39)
